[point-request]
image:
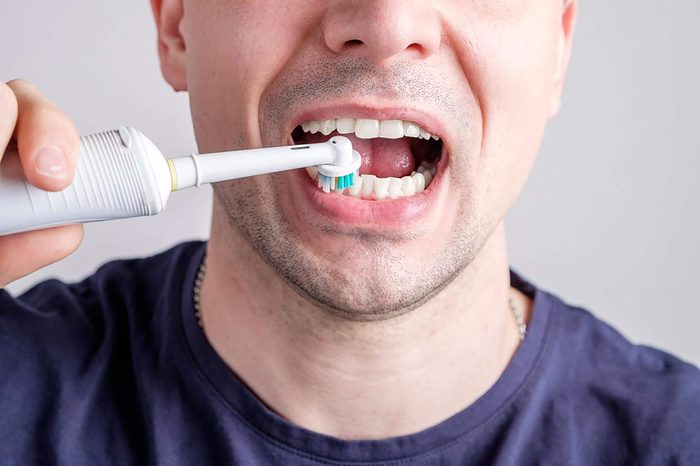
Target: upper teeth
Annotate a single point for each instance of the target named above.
(368, 129)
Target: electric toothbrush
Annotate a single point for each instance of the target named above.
(122, 174)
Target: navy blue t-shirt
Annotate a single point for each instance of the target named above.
(115, 370)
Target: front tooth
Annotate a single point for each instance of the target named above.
(395, 187)
(366, 129)
(419, 182)
(408, 187)
(314, 126)
(327, 127)
(424, 134)
(355, 189)
(411, 130)
(367, 185)
(346, 125)
(391, 129)
(381, 187)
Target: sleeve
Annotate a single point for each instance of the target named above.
(675, 433)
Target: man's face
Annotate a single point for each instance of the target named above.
(482, 75)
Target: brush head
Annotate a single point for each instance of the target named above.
(338, 177)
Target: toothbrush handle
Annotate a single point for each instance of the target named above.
(109, 183)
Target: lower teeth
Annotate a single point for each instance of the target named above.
(372, 187)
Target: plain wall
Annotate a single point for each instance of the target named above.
(609, 219)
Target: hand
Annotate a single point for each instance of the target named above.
(48, 147)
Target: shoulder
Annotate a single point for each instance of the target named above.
(69, 354)
(648, 396)
(118, 280)
(58, 321)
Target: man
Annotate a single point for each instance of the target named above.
(317, 328)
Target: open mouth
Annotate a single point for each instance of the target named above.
(399, 158)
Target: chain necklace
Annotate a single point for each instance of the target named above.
(197, 289)
(519, 319)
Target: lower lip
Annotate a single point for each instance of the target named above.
(341, 209)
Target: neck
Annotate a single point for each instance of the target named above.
(355, 380)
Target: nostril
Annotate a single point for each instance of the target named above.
(353, 42)
(417, 48)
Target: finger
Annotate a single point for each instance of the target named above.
(23, 253)
(8, 116)
(47, 140)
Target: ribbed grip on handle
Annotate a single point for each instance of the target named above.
(109, 183)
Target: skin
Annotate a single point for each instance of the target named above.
(359, 322)
(29, 123)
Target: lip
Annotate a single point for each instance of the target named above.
(346, 211)
(342, 211)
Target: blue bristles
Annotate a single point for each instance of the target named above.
(328, 183)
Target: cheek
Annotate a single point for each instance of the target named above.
(234, 50)
(515, 82)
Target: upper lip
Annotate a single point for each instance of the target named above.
(423, 118)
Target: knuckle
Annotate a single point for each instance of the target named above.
(28, 96)
(38, 121)
(42, 117)
(20, 86)
(38, 108)
(16, 82)
(42, 114)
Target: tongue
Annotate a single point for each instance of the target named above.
(380, 157)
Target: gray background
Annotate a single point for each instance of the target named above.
(608, 220)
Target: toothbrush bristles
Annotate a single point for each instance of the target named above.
(339, 183)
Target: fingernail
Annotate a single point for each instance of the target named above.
(51, 162)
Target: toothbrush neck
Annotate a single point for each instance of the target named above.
(194, 170)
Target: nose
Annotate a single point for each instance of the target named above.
(382, 30)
